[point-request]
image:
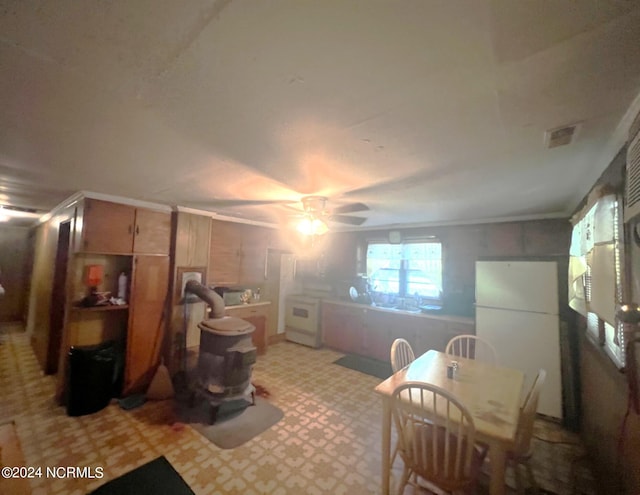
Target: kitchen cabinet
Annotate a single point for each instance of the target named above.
(343, 327)
(116, 228)
(119, 238)
(225, 253)
(257, 314)
(253, 252)
(148, 300)
(370, 331)
(237, 253)
(381, 330)
(427, 334)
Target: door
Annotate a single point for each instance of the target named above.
(271, 291)
(518, 285)
(152, 232)
(527, 342)
(301, 314)
(225, 253)
(149, 294)
(58, 298)
(278, 284)
(107, 227)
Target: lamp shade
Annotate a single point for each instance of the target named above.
(312, 226)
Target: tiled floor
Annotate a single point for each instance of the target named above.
(327, 443)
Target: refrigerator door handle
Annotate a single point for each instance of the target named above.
(515, 310)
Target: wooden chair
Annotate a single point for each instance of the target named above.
(436, 439)
(401, 354)
(472, 347)
(521, 454)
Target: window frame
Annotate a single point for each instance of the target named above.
(609, 337)
(403, 281)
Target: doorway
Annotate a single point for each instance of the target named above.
(58, 298)
(279, 283)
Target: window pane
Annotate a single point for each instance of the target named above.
(385, 280)
(407, 270)
(420, 285)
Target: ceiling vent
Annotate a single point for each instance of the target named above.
(632, 204)
(560, 135)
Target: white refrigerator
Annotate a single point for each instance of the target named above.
(517, 311)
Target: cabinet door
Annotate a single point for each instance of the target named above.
(331, 327)
(379, 335)
(107, 227)
(353, 329)
(259, 336)
(343, 328)
(255, 241)
(429, 334)
(146, 323)
(257, 316)
(152, 232)
(224, 259)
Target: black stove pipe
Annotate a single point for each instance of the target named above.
(209, 296)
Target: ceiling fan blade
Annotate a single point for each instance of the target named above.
(350, 208)
(347, 219)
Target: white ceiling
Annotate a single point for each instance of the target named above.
(427, 111)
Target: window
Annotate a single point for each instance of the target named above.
(595, 274)
(408, 270)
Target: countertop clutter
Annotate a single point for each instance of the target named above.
(249, 305)
(369, 330)
(409, 312)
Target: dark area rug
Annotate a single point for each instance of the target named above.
(370, 366)
(157, 476)
(235, 429)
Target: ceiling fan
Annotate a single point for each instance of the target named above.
(314, 211)
(317, 206)
(315, 215)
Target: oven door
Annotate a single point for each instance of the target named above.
(302, 315)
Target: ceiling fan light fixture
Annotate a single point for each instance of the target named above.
(311, 225)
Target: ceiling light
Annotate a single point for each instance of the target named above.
(311, 225)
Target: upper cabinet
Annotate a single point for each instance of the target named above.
(255, 241)
(225, 254)
(114, 228)
(238, 253)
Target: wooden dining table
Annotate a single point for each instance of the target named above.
(492, 394)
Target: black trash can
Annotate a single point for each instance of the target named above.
(92, 375)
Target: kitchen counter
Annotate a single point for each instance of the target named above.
(370, 330)
(248, 305)
(257, 314)
(434, 316)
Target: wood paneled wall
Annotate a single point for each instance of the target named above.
(190, 249)
(614, 452)
(39, 311)
(15, 270)
(463, 245)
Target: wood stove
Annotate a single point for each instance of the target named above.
(227, 356)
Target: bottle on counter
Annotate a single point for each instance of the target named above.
(122, 286)
(256, 295)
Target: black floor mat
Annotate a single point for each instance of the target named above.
(370, 366)
(157, 476)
